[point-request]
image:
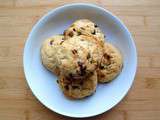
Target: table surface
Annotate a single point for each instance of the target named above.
(17, 17)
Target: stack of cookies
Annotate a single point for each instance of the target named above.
(81, 58)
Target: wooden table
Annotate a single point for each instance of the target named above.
(17, 17)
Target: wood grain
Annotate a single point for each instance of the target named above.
(17, 17)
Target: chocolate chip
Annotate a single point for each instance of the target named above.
(92, 73)
(65, 32)
(82, 68)
(79, 33)
(102, 76)
(70, 34)
(95, 25)
(75, 87)
(70, 75)
(63, 39)
(94, 32)
(61, 42)
(81, 83)
(57, 81)
(51, 42)
(106, 56)
(66, 87)
(74, 29)
(83, 73)
(80, 63)
(88, 56)
(82, 28)
(91, 61)
(101, 67)
(74, 51)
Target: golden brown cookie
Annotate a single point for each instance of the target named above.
(85, 27)
(111, 64)
(81, 56)
(80, 88)
(49, 50)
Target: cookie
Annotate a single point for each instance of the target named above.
(49, 53)
(85, 27)
(111, 64)
(81, 56)
(78, 89)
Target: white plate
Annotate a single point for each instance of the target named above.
(43, 83)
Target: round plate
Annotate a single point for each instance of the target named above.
(43, 83)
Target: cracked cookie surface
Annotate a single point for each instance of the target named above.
(78, 89)
(111, 64)
(49, 50)
(81, 56)
(85, 27)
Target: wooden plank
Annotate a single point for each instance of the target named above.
(12, 72)
(10, 21)
(144, 89)
(143, 115)
(16, 20)
(25, 3)
(6, 83)
(132, 20)
(13, 114)
(144, 61)
(151, 31)
(152, 72)
(153, 20)
(15, 31)
(7, 3)
(117, 10)
(41, 115)
(131, 2)
(147, 45)
(155, 62)
(134, 10)
(19, 11)
(13, 94)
